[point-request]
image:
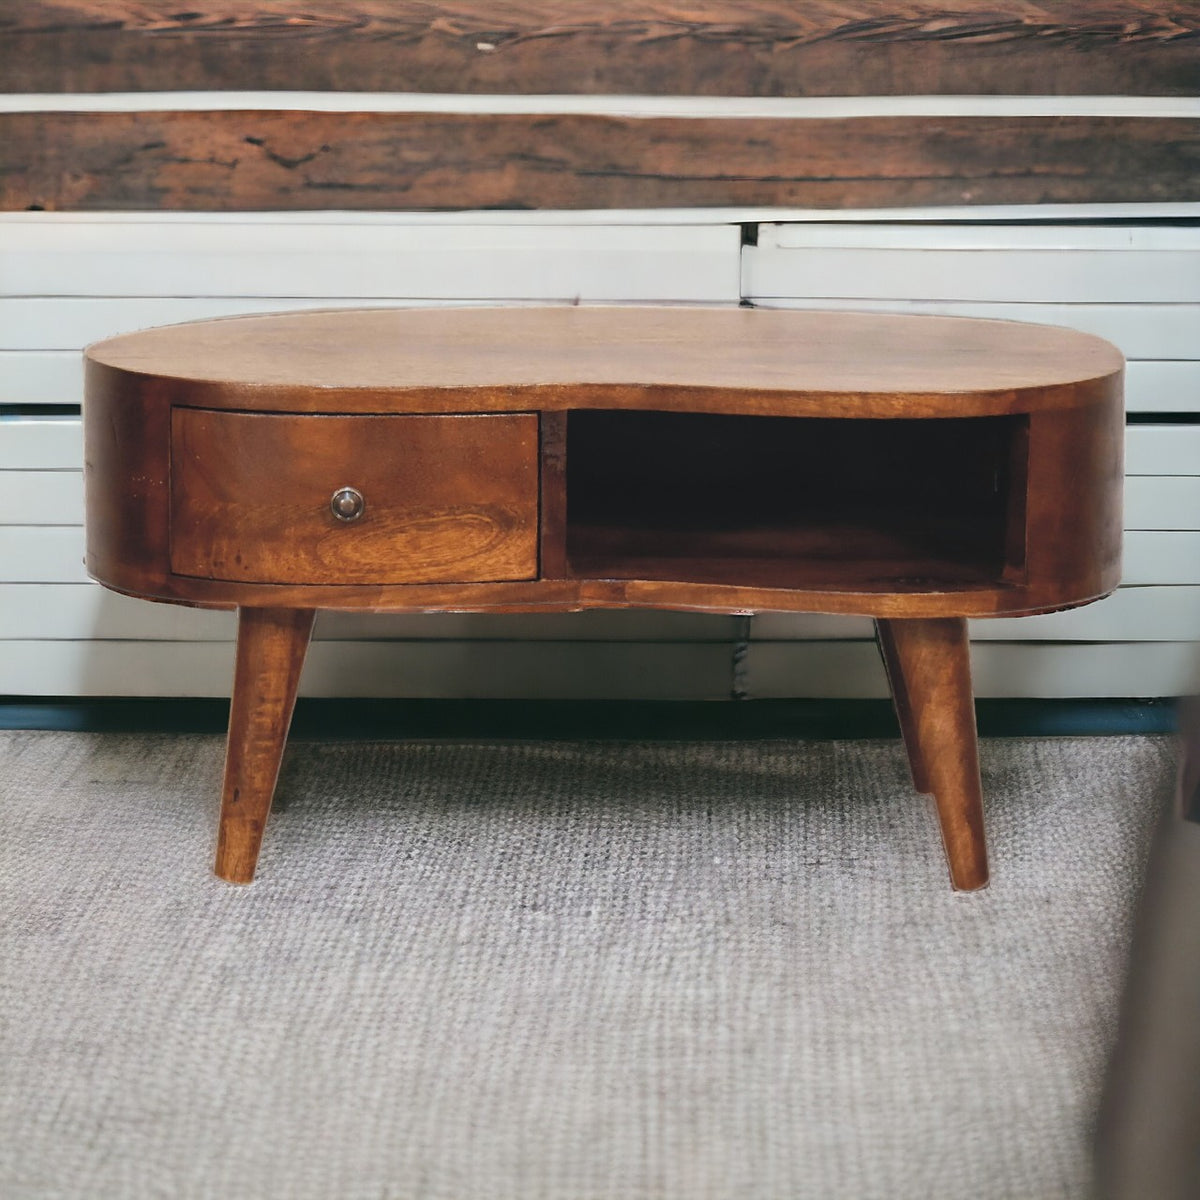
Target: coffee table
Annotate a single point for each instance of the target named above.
(916, 469)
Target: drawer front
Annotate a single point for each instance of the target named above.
(444, 499)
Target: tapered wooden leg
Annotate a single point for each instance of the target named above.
(271, 646)
(902, 703)
(931, 660)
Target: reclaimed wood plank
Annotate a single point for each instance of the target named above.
(255, 161)
(704, 47)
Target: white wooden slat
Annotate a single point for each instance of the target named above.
(1162, 450)
(1041, 215)
(990, 234)
(41, 497)
(852, 670)
(1162, 387)
(1162, 502)
(66, 323)
(1131, 614)
(798, 108)
(1049, 276)
(467, 670)
(41, 376)
(50, 554)
(41, 443)
(530, 262)
(88, 611)
(1161, 557)
(1151, 331)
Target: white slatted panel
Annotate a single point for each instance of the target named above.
(440, 668)
(68, 281)
(852, 670)
(374, 262)
(78, 612)
(1138, 286)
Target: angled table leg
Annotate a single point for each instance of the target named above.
(902, 703)
(929, 666)
(271, 646)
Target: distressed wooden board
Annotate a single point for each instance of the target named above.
(85, 612)
(372, 261)
(444, 669)
(1139, 331)
(706, 47)
(852, 670)
(236, 161)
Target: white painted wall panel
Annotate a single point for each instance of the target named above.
(40, 376)
(1162, 450)
(1162, 502)
(52, 554)
(41, 497)
(852, 670)
(51, 443)
(1139, 331)
(1054, 276)
(984, 235)
(1151, 614)
(468, 670)
(482, 262)
(80, 612)
(1160, 557)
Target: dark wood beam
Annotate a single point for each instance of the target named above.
(231, 161)
(697, 47)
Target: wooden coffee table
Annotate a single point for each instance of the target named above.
(918, 470)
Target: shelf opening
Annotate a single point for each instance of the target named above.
(820, 503)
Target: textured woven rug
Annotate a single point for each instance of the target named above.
(560, 970)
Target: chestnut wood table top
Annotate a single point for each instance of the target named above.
(784, 362)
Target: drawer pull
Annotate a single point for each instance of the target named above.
(347, 504)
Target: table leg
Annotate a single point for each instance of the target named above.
(903, 704)
(271, 645)
(929, 666)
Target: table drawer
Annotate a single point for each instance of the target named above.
(426, 499)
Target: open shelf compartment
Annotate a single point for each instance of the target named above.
(897, 505)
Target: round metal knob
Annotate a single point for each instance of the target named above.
(347, 504)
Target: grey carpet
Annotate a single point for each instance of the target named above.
(566, 971)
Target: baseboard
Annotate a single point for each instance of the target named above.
(318, 719)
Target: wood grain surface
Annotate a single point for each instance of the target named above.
(447, 499)
(785, 363)
(950, 545)
(243, 161)
(704, 47)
